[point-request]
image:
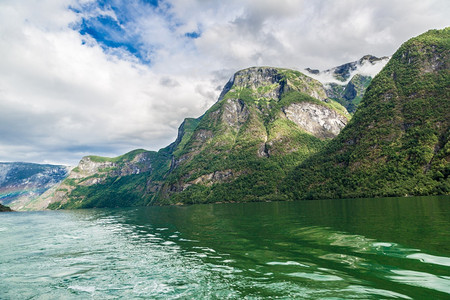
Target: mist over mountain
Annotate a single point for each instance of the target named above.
(347, 83)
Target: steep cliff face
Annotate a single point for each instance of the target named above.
(271, 83)
(266, 121)
(22, 183)
(398, 140)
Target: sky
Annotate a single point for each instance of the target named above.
(84, 77)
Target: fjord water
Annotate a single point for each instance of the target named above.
(333, 249)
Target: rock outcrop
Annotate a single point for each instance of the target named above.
(271, 83)
(318, 120)
(4, 208)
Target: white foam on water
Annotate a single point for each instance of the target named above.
(286, 263)
(79, 288)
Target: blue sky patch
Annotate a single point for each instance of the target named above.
(99, 23)
(154, 3)
(193, 35)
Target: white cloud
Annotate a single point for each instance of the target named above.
(58, 93)
(63, 96)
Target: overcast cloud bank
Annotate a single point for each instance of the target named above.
(105, 77)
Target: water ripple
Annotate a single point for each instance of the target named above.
(224, 252)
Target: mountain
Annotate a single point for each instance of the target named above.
(347, 83)
(265, 122)
(397, 142)
(275, 134)
(22, 183)
(128, 180)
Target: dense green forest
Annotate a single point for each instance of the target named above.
(397, 143)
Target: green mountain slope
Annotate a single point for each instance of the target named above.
(274, 134)
(131, 179)
(126, 180)
(397, 143)
(349, 95)
(266, 121)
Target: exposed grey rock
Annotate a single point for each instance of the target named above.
(212, 178)
(203, 135)
(235, 113)
(87, 168)
(318, 120)
(263, 150)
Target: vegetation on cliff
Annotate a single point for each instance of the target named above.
(127, 180)
(397, 142)
(248, 141)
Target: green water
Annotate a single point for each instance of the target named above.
(339, 249)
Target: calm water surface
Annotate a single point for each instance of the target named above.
(340, 249)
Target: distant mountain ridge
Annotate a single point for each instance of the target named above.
(347, 83)
(368, 65)
(21, 183)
